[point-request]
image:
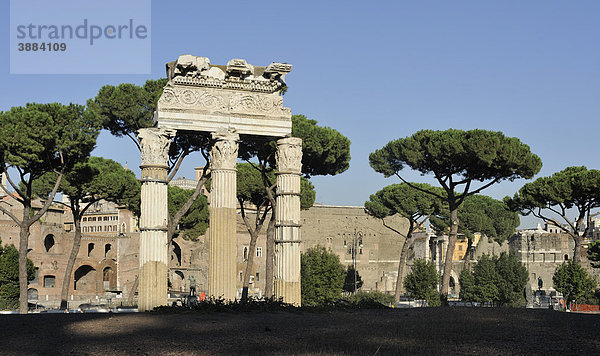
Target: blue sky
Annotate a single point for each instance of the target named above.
(377, 71)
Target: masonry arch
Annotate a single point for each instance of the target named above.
(32, 294)
(107, 249)
(178, 281)
(454, 289)
(108, 278)
(84, 278)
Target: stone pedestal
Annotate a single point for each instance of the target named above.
(222, 230)
(152, 290)
(287, 220)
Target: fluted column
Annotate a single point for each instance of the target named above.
(287, 220)
(222, 228)
(152, 290)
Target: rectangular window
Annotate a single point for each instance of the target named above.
(49, 281)
(259, 252)
(257, 277)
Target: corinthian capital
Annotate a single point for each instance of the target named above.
(154, 144)
(224, 152)
(289, 155)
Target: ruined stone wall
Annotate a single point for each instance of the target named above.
(542, 253)
(335, 228)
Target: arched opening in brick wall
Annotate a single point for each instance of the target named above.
(49, 242)
(178, 282)
(107, 278)
(32, 294)
(85, 278)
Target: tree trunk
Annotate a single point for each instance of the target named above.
(249, 264)
(270, 256)
(577, 257)
(402, 264)
(184, 208)
(64, 292)
(468, 254)
(23, 246)
(450, 252)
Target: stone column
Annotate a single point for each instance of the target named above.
(223, 218)
(152, 290)
(287, 220)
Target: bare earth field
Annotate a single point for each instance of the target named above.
(473, 331)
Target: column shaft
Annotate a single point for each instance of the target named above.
(152, 287)
(223, 218)
(287, 221)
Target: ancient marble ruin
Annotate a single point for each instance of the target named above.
(226, 101)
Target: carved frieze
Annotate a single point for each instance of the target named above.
(192, 97)
(289, 155)
(257, 104)
(154, 144)
(224, 152)
(243, 103)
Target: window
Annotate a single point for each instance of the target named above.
(90, 249)
(49, 281)
(566, 257)
(106, 278)
(259, 252)
(49, 242)
(257, 277)
(245, 253)
(107, 248)
(32, 294)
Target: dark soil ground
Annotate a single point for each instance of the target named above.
(473, 331)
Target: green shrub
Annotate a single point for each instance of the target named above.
(371, 299)
(422, 282)
(322, 276)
